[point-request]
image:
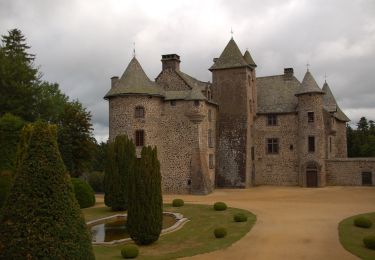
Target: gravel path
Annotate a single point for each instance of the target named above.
(293, 222)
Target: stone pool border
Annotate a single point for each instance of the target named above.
(179, 224)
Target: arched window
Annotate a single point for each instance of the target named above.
(139, 138)
(139, 112)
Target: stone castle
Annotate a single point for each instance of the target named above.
(238, 131)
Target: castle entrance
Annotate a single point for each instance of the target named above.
(312, 177)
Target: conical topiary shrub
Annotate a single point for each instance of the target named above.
(41, 217)
(145, 213)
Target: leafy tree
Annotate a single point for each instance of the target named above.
(120, 164)
(361, 141)
(363, 125)
(77, 145)
(41, 217)
(145, 213)
(99, 157)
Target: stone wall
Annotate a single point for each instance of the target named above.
(348, 171)
(280, 168)
(169, 79)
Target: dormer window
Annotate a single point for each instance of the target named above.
(271, 120)
(196, 103)
(139, 112)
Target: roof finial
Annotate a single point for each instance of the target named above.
(307, 65)
(325, 77)
(134, 49)
(231, 32)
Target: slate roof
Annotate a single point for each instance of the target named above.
(330, 104)
(249, 60)
(276, 94)
(231, 57)
(192, 82)
(135, 81)
(309, 85)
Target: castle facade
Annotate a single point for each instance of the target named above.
(238, 131)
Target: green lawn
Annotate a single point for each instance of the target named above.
(351, 236)
(195, 237)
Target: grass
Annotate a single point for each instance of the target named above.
(195, 237)
(351, 237)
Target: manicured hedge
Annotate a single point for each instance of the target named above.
(96, 181)
(177, 203)
(240, 217)
(5, 184)
(362, 222)
(220, 232)
(369, 242)
(84, 193)
(220, 206)
(41, 217)
(129, 251)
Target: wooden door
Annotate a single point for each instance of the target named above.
(311, 178)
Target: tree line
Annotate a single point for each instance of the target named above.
(25, 97)
(361, 141)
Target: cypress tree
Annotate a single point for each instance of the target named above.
(120, 164)
(41, 217)
(145, 213)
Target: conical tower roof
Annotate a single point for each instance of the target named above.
(309, 85)
(249, 60)
(135, 81)
(231, 57)
(330, 104)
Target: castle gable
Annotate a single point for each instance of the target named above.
(331, 106)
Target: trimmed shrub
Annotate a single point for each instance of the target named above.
(120, 163)
(220, 206)
(41, 217)
(5, 183)
(362, 222)
(178, 203)
(369, 242)
(96, 179)
(84, 193)
(145, 213)
(220, 232)
(240, 217)
(129, 251)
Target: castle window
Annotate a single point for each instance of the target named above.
(139, 112)
(271, 119)
(139, 137)
(310, 117)
(196, 103)
(173, 103)
(252, 153)
(330, 144)
(211, 161)
(209, 115)
(272, 146)
(210, 139)
(311, 144)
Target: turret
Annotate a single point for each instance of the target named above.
(311, 133)
(233, 88)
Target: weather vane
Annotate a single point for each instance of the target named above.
(231, 31)
(134, 49)
(325, 77)
(307, 65)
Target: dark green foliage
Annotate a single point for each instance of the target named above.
(98, 163)
(220, 232)
(84, 193)
(220, 206)
(10, 129)
(120, 163)
(96, 181)
(177, 203)
(129, 251)
(361, 141)
(41, 217)
(145, 213)
(362, 222)
(5, 184)
(369, 242)
(240, 217)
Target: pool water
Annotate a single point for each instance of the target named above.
(116, 229)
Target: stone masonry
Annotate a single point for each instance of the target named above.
(238, 131)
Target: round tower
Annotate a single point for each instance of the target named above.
(311, 134)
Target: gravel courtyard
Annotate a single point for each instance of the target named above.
(293, 222)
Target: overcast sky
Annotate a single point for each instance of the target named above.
(81, 44)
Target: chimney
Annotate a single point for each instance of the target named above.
(288, 73)
(170, 61)
(114, 80)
